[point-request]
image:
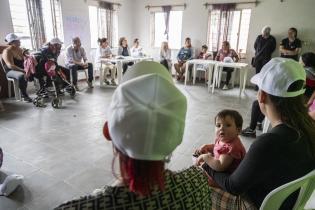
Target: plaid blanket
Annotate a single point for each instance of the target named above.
(222, 200)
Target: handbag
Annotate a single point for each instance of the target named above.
(253, 62)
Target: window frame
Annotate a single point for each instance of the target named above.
(28, 13)
(152, 27)
(113, 28)
(241, 10)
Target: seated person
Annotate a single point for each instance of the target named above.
(165, 56)
(136, 50)
(226, 51)
(74, 56)
(205, 56)
(124, 50)
(284, 153)
(185, 53)
(308, 61)
(144, 182)
(228, 151)
(104, 51)
(14, 64)
(49, 51)
(290, 47)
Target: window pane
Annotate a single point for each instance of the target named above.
(175, 29)
(20, 22)
(159, 26)
(47, 19)
(93, 26)
(242, 45)
(234, 30)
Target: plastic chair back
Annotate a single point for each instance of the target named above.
(275, 198)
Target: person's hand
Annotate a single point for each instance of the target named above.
(201, 159)
(84, 65)
(206, 148)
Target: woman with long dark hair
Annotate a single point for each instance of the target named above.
(283, 154)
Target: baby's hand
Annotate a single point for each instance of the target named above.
(206, 148)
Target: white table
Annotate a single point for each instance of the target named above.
(210, 64)
(120, 61)
(242, 67)
(218, 66)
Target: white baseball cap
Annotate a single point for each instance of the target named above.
(55, 41)
(146, 117)
(11, 37)
(277, 75)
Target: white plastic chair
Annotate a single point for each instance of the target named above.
(275, 198)
(11, 81)
(92, 55)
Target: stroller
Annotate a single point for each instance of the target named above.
(59, 81)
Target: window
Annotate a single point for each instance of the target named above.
(235, 26)
(20, 22)
(50, 18)
(101, 21)
(175, 29)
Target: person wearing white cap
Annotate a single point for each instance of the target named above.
(14, 63)
(287, 151)
(146, 121)
(50, 51)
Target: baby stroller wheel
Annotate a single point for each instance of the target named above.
(39, 102)
(72, 92)
(56, 102)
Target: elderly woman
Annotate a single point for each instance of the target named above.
(14, 63)
(185, 53)
(287, 151)
(222, 55)
(145, 124)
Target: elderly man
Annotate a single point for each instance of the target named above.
(76, 60)
(264, 46)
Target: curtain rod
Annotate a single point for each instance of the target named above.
(242, 2)
(174, 5)
(113, 3)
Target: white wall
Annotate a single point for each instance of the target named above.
(6, 25)
(279, 15)
(134, 21)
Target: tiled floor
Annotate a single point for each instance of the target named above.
(62, 153)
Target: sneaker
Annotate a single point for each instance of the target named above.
(76, 87)
(225, 87)
(90, 84)
(248, 132)
(27, 99)
(113, 82)
(259, 126)
(106, 82)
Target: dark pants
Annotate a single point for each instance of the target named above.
(21, 80)
(164, 63)
(125, 66)
(258, 66)
(74, 69)
(256, 115)
(228, 71)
